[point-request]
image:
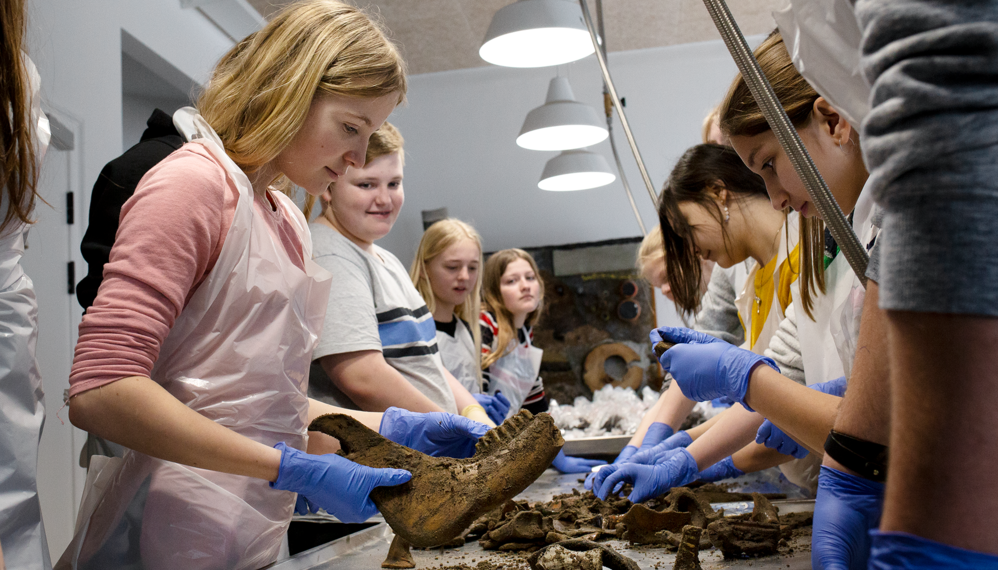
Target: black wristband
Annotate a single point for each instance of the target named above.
(866, 458)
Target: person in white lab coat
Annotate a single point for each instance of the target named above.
(195, 353)
(26, 135)
(447, 273)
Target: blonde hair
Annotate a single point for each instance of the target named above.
(384, 141)
(740, 115)
(492, 299)
(261, 90)
(436, 239)
(708, 123)
(651, 251)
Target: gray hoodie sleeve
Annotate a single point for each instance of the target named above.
(784, 348)
(718, 315)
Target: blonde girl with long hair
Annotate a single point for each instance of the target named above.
(447, 272)
(196, 351)
(512, 303)
(24, 137)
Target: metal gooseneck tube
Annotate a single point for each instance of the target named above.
(616, 103)
(608, 110)
(777, 118)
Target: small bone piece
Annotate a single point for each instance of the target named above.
(399, 555)
(688, 557)
(559, 558)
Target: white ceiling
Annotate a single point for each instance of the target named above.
(440, 35)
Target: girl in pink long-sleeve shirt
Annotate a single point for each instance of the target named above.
(210, 260)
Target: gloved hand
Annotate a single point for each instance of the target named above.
(566, 464)
(625, 453)
(903, 550)
(775, 438)
(657, 453)
(648, 480)
(845, 509)
(436, 433)
(723, 469)
(706, 367)
(495, 406)
(657, 432)
(334, 483)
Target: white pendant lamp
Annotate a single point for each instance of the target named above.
(537, 33)
(577, 169)
(561, 123)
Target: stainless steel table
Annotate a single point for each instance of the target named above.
(368, 548)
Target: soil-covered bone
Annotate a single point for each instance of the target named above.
(446, 495)
(609, 557)
(688, 557)
(758, 536)
(399, 555)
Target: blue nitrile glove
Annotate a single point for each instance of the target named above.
(656, 434)
(648, 480)
(846, 508)
(334, 483)
(775, 438)
(656, 453)
(436, 433)
(495, 406)
(706, 367)
(566, 464)
(624, 455)
(723, 469)
(903, 550)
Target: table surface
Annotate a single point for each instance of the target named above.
(368, 548)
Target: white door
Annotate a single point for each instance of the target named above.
(52, 244)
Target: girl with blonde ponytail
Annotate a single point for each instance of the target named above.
(203, 328)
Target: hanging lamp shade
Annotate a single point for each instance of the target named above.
(561, 123)
(537, 33)
(578, 169)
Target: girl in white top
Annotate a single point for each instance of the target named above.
(447, 273)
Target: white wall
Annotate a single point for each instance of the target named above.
(460, 127)
(77, 46)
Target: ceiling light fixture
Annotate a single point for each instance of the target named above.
(537, 33)
(578, 169)
(561, 123)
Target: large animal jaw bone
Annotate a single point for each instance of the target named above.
(446, 495)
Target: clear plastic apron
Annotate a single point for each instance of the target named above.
(515, 373)
(22, 400)
(460, 356)
(239, 355)
(828, 343)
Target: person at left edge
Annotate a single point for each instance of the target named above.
(447, 273)
(195, 352)
(24, 137)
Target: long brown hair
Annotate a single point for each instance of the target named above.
(19, 177)
(698, 174)
(492, 299)
(261, 90)
(740, 115)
